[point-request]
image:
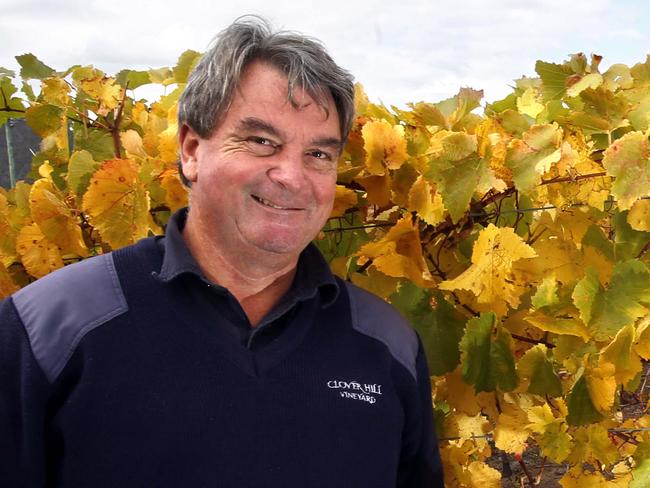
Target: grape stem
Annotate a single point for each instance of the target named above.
(522, 463)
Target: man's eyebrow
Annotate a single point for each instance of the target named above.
(255, 124)
(332, 142)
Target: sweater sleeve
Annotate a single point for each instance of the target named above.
(23, 397)
(420, 466)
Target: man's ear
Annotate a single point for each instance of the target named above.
(188, 141)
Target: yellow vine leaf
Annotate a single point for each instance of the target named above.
(491, 277)
(45, 170)
(536, 368)
(377, 189)
(7, 285)
(55, 218)
(448, 260)
(626, 298)
(540, 416)
(426, 201)
(620, 353)
(339, 265)
(454, 459)
(617, 76)
(641, 471)
(576, 477)
(20, 214)
(117, 203)
(575, 161)
(58, 141)
(483, 476)
(343, 200)
(546, 294)
(379, 112)
(594, 191)
(470, 427)
(163, 76)
(399, 253)
(559, 325)
(376, 282)
(592, 80)
(463, 471)
(105, 90)
(458, 109)
(38, 254)
(422, 114)
(533, 155)
(639, 216)
(132, 142)
(44, 119)
(551, 433)
(509, 433)
(186, 63)
(458, 170)
(557, 247)
(361, 100)
(7, 233)
(628, 160)
(642, 344)
(401, 184)
(594, 258)
(493, 144)
(175, 192)
(168, 144)
(353, 155)
(81, 166)
(152, 124)
(601, 384)
(592, 444)
(140, 113)
(385, 146)
(529, 103)
(459, 394)
(55, 91)
(556, 443)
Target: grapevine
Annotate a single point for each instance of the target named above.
(514, 235)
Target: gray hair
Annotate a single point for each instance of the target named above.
(304, 60)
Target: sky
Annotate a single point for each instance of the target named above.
(400, 50)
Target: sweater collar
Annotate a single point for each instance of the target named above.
(313, 274)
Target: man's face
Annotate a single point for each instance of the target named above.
(266, 178)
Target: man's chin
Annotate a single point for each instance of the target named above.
(281, 245)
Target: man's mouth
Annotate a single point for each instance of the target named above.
(270, 204)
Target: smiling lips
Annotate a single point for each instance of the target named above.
(267, 203)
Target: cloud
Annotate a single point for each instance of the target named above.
(401, 51)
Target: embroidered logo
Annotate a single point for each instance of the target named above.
(366, 392)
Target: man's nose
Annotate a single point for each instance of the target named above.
(288, 171)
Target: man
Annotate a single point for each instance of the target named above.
(226, 353)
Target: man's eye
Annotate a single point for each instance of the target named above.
(262, 145)
(321, 155)
(261, 141)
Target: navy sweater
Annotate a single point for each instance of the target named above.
(109, 377)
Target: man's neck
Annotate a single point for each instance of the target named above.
(256, 278)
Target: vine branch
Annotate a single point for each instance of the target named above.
(563, 179)
(115, 128)
(533, 341)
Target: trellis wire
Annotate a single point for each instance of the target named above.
(473, 214)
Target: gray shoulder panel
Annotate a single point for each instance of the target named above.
(60, 308)
(375, 318)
